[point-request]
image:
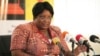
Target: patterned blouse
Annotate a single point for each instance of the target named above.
(29, 39)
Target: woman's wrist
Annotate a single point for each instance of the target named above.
(77, 51)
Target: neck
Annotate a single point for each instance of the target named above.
(44, 30)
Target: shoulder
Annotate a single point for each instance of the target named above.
(22, 30)
(55, 28)
(24, 26)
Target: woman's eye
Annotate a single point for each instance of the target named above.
(42, 17)
(45, 17)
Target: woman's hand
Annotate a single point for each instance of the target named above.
(82, 48)
(79, 49)
(54, 50)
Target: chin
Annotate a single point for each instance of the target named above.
(45, 28)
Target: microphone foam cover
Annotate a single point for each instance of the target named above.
(78, 37)
(93, 37)
(56, 40)
(64, 34)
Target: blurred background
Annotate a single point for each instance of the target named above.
(73, 16)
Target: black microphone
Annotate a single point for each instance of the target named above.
(95, 39)
(83, 41)
(56, 41)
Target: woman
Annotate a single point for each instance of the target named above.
(35, 38)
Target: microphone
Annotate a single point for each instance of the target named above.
(69, 38)
(83, 41)
(64, 34)
(56, 41)
(95, 39)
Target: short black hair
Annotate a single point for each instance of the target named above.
(40, 7)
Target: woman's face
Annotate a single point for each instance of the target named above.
(43, 20)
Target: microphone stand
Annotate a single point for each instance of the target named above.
(87, 51)
(62, 51)
(87, 45)
(61, 54)
(72, 49)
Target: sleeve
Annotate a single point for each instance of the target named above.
(19, 38)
